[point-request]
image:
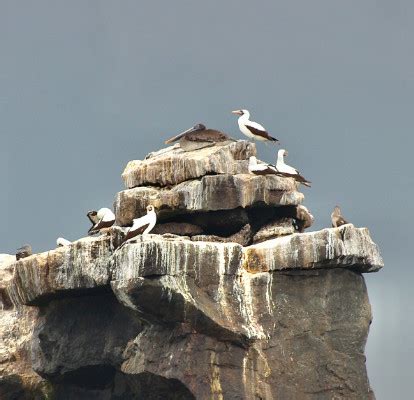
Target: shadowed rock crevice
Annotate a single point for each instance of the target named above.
(154, 387)
(84, 332)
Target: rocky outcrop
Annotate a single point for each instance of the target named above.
(172, 165)
(194, 310)
(17, 378)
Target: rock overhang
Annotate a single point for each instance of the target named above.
(210, 193)
(93, 263)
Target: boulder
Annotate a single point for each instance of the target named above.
(83, 265)
(210, 193)
(173, 165)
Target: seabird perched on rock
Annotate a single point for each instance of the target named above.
(60, 242)
(24, 251)
(251, 129)
(260, 169)
(103, 218)
(337, 218)
(198, 137)
(288, 171)
(141, 225)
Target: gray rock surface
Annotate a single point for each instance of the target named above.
(210, 193)
(192, 310)
(84, 265)
(279, 227)
(346, 246)
(17, 378)
(172, 165)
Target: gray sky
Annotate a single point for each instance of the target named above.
(86, 86)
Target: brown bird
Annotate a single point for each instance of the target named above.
(198, 137)
(337, 218)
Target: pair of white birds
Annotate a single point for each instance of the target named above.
(253, 130)
(280, 168)
(105, 218)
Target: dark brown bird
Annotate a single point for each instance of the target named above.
(337, 218)
(198, 137)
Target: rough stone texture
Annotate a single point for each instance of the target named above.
(191, 311)
(280, 227)
(172, 165)
(196, 324)
(17, 379)
(306, 353)
(66, 338)
(243, 237)
(210, 193)
(346, 246)
(177, 228)
(81, 266)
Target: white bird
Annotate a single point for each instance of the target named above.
(103, 218)
(142, 225)
(251, 129)
(286, 170)
(60, 241)
(260, 169)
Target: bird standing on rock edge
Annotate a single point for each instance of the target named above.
(142, 225)
(288, 171)
(103, 218)
(251, 129)
(337, 218)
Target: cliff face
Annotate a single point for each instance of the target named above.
(195, 310)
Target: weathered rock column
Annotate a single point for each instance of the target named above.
(195, 310)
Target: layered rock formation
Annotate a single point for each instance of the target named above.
(225, 299)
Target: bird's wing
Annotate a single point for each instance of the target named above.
(207, 135)
(100, 225)
(175, 138)
(195, 128)
(108, 217)
(292, 173)
(302, 180)
(258, 130)
(255, 125)
(264, 169)
(136, 231)
(138, 222)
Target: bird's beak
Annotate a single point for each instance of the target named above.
(173, 139)
(188, 130)
(238, 112)
(286, 153)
